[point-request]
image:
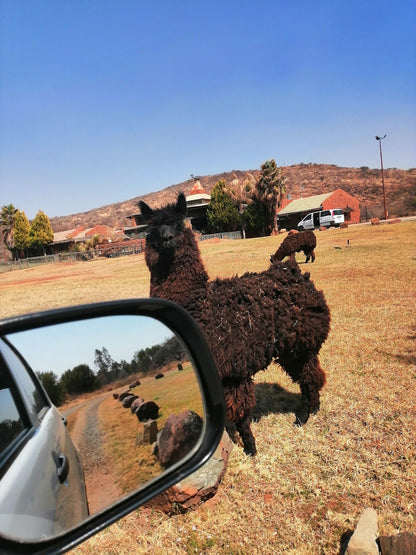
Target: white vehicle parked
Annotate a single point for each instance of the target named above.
(324, 218)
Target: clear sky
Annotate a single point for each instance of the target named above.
(102, 101)
(62, 347)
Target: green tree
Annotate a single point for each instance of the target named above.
(21, 232)
(40, 233)
(81, 379)
(7, 221)
(256, 217)
(104, 364)
(241, 193)
(222, 213)
(270, 188)
(53, 387)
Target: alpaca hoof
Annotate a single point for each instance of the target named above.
(301, 419)
(251, 452)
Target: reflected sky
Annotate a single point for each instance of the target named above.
(64, 346)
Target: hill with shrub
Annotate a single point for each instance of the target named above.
(302, 180)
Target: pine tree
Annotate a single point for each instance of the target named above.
(40, 233)
(21, 232)
(222, 213)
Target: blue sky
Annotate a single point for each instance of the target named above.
(62, 347)
(105, 100)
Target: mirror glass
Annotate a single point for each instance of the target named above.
(123, 387)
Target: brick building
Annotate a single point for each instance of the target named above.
(294, 210)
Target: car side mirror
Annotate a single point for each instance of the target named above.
(145, 410)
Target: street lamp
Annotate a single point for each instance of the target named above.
(379, 139)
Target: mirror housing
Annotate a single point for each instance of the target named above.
(186, 329)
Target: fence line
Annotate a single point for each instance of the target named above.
(108, 252)
(223, 235)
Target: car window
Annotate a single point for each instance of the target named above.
(11, 424)
(325, 213)
(32, 394)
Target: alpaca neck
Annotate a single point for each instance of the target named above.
(186, 281)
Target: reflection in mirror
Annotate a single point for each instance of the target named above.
(128, 396)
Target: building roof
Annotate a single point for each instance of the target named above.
(307, 204)
(197, 193)
(82, 234)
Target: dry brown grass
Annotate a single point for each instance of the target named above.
(134, 464)
(308, 486)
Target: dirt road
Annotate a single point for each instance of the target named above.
(86, 433)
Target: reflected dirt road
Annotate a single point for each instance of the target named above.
(86, 433)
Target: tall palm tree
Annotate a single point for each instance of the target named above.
(270, 188)
(7, 222)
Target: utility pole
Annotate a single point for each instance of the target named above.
(379, 139)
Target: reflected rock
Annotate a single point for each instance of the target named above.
(127, 401)
(179, 435)
(180, 367)
(138, 402)
(115, 396)
(158, 376)
(147, 411)
(134, 384)
(149, 434)
(123, 395)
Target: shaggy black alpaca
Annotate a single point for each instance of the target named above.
(295, 242)
(248, 321)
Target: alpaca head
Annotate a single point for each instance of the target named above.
(165, 226)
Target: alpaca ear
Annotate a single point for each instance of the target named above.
(181, 204)
(146, 211)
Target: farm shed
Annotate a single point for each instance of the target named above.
(294, 210)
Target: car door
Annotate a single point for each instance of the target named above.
(41, 481)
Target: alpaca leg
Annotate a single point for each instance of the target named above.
(311, 381)
(313, 255)
(243, 428)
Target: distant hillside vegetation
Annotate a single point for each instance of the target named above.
(302, 180)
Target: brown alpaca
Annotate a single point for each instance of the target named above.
(296, 241)
(248, 321)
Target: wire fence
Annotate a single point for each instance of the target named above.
(110, 251)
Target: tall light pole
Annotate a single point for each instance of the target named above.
(379, 139)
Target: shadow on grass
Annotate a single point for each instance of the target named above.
(273, 398)
(408, 359)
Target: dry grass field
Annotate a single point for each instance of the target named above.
(306, 487)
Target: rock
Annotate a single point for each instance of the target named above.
(147, 411)
(158, 376)
(150, 432)
(179, 435)
(134, 384)
(198, 487)
(402, 544)
(180, 367)
(123, 395)
(115, 396)
(127, 401)
(138, 402)
(375, 221)
(363, 540)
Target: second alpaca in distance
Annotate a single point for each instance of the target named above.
(294, 242)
